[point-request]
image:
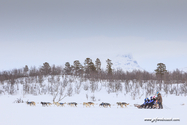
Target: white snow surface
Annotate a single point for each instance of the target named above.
(23, 114)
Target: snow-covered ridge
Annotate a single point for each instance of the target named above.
(120, 61)
(184, 69)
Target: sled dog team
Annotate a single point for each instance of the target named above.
(59, 104)
(74, 104)
(152, 103)
(32, 103)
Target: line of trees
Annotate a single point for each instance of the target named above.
(92, 71)
(61, 82)
(61, 87)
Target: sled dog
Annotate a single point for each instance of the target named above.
(44, 103)
(105, 105)
(72, 104)
(31, 103)
(56, 103)
(62, 104)
(119, 104)
(48, 103)
(91, 103)
(86, 104)
(125, 104)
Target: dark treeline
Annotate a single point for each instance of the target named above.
(92, 71)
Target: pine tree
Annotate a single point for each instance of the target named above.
(77, 67)
(87, 65)
(67, 68)
(98, 65)
(56, 70)
(109, 66)
(92, 67)
(161, 70)
(26, 69)
(45, 69)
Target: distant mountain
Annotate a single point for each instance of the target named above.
(184, 69)
(120, 61)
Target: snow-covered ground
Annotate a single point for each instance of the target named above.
(22, 114)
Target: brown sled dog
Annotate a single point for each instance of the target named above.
(86, 104)
(91, 103)
(121, 104)
(125, 104)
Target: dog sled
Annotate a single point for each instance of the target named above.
(155, 106)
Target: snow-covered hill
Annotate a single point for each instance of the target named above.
(120, 61)
(184, 69)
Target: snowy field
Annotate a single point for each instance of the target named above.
(22, 114)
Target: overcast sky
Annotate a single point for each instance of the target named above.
(35, 31)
